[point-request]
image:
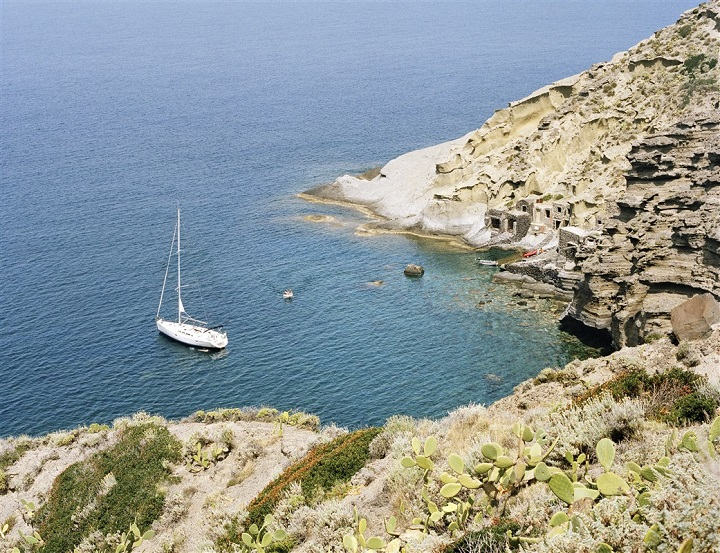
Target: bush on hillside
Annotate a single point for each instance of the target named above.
(251, 414)
(110, 490)
(674, 396)
(580, 427)
(492, 539)
(322, 468)
(692, 408)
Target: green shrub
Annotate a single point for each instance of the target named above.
(698, 86)
(636, 383)
(109, 490)
(694, 407)
(627, 384)
(671, 395)
(94, 428)
(298, 419)
(684, 31)
(699, 62)
(653, 337)
(579, 428)
(322, 468)
(61, 440)
(283, 546)
(340, 464)
(11, 457)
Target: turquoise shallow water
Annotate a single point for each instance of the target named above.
(110, 112)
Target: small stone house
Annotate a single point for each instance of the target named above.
(572, 239)
(529, 215)
(526, 205)
(551, 215)
(515, 222)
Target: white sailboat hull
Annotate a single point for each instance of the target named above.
(192, 335)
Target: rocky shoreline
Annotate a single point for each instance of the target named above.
(611, 176)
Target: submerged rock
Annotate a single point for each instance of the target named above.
(320, 218)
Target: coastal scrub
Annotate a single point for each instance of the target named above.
(319, 471)
(676, 396)
(111, 490)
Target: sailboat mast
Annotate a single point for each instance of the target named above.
(178, 263)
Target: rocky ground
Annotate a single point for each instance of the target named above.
(197, 500)
(662, 243)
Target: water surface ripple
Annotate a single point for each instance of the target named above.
(111, 111)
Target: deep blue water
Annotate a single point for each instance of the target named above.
(112, 111)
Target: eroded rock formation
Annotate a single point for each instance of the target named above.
(662, 243)
(567, 142)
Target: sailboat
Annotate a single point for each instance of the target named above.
(186, 329)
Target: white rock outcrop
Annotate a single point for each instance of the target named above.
(568, 140)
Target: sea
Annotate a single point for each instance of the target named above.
(112, 113)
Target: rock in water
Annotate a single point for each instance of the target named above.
(696, 317)
(413, 270)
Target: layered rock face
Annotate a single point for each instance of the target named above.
(662, 243)
(567, 141)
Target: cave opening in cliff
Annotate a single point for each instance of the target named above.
(597, 338)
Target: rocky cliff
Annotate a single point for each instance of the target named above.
(567, 141)
(661, 244)
(613, 172)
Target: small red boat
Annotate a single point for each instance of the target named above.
(531, 253)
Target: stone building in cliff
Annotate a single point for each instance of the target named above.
(549, 216)
(515, 223)
(530, 214)
(526, 205)
(575, 242)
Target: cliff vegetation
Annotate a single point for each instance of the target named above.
(620, 453)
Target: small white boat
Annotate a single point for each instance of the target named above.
(186, 329)
(487, 262)
(288, 294)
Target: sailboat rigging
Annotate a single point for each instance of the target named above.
(186, 329)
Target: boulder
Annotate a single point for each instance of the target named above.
(695, 317)
(413, 270)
